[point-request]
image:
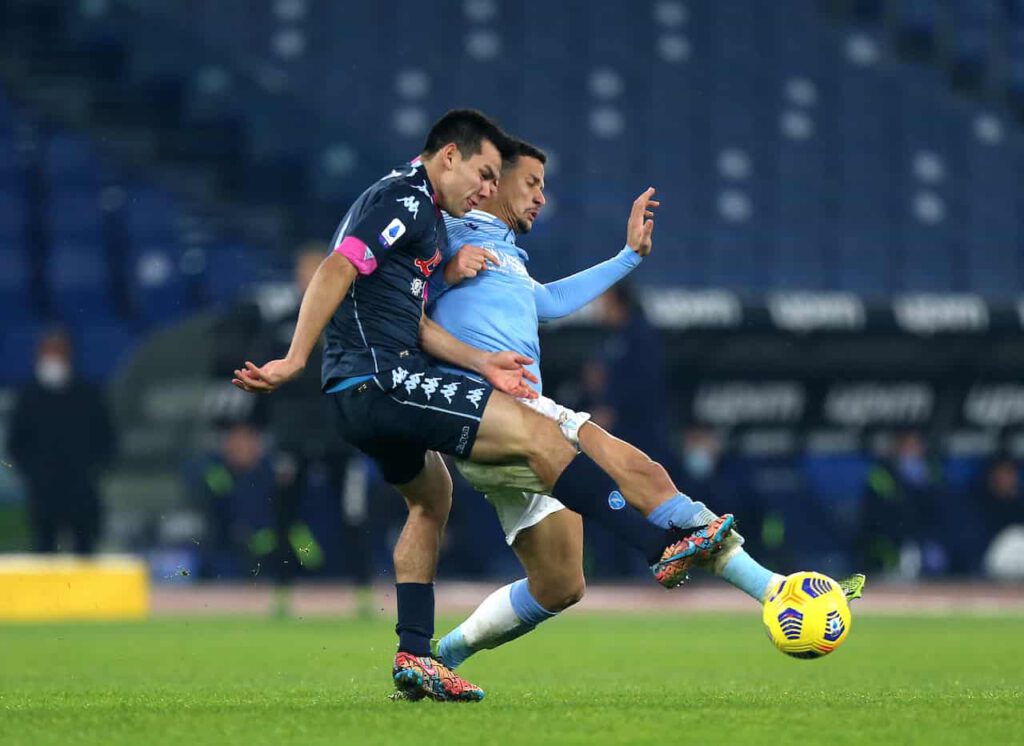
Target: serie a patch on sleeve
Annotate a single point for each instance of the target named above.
(394, 231)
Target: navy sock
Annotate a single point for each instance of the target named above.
(585, 488)
(415, 617)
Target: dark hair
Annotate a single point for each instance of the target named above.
(467, 128)
(521, 149)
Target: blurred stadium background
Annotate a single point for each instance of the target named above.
(830, 322)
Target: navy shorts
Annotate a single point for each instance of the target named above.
(400, 414)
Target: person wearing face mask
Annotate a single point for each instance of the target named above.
(61, 439)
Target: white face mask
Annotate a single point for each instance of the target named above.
(53, 373)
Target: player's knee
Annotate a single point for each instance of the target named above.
(574, 592)
(434, 511)
(548, 451)
(563, 593)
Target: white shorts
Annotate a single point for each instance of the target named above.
(516, 493)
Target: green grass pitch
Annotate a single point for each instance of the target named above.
(699, 678)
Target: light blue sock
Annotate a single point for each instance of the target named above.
(744, 572)
(741, 570)
(453, 648)
(526, 606)
(506, 614)
(682, 512)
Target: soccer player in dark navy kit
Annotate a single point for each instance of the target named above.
(396, 405)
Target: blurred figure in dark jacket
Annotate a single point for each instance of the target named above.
(631, 367)
(61, 439)
(307, 449)
(903, 512)
(1000, 497)
(234, 487)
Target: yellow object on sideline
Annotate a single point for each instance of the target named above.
(52, 587)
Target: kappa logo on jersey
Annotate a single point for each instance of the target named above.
(398, 375)
(429, 386)
(448, 391)
(411, 204)
(427, 266)
(396, 173)
(475, 396)
(423, 188)
(412, 382)
(416, 287)
(394, 231)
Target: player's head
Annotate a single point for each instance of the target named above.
(521, 194)
(307, 261)
(463, 154)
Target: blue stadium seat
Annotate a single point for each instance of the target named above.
(157, 288)
(962, 472)
(151, 215)
(8, 156)
(18, 343)
(993, 224)
(15, 281)
(102, 348)
(230, 270)
(74, 215)
(69, 162)
(79, 280)
(13, 212)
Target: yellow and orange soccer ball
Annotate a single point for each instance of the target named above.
(807, 615)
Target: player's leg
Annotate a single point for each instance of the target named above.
(428, 497)
(646, 477)
(397, 436)
(551, 552)
(732, 563)
(509, 430)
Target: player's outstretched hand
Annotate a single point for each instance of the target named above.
(641, 223)
(506, 371)
(264, 380)
(467, 263)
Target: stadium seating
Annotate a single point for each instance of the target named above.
(784, 145)
(791, 151)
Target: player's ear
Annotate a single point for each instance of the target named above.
(448, 155)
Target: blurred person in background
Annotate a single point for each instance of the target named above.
(61, 439)
(704, 473)
(634, 401)
(235, 488)
(902, 514)
(1000, 498)
(306, 444)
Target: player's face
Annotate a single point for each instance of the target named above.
(471, 180)
(523, 190)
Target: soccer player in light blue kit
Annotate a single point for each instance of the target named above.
(485, 297)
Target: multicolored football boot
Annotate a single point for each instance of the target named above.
(418, 677)
(699, 544)
(853, 586)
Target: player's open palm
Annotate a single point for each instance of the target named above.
(640, 228)
(506, 371)
(263, 380)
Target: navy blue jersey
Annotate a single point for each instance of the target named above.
(393, 234)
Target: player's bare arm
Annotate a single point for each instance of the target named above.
(504, 370)
(326, 290)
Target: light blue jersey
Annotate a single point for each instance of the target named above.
(501, 308)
